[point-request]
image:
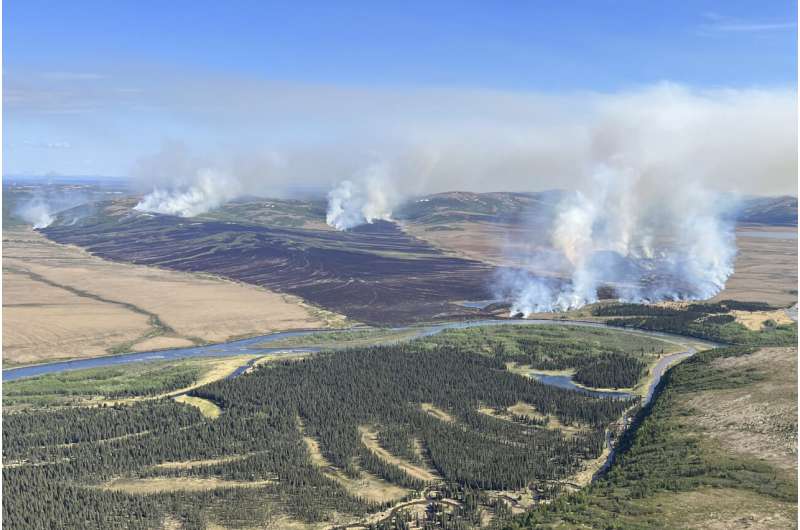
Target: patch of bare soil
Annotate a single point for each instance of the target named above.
(759, 419)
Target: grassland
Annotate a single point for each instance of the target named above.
(136, 379)
(207, 408)
(716, 450)
(62, 302)
(343, 339)
(118, 384)
(765, 269)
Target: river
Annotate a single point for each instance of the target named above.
(256, 346)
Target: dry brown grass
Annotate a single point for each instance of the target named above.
(436, 412)
(207, 408)
(759, 419)
(43, 322)
(369, 437)
(755, 319)
(215, 368)
(189, 464)
(524, 409)
(766, 270)
(495, 243)
(158, 484)
(161, 343)
(366, 486)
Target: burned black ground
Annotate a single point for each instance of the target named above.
(375, 274)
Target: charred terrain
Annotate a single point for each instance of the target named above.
(375, 274)
(442, 249)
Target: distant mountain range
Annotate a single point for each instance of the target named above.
(510, 207)
(777, 211)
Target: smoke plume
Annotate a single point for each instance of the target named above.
(49, 205)
(208, 190)
(363, 200)
(36, 212)
(644, 241)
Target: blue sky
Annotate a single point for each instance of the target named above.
(92, 86)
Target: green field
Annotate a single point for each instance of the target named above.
(342, 339)
(134, 379)
(598, 357)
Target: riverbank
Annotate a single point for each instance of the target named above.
(259, 345)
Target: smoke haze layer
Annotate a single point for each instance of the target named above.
(646, 167)
(431, 141)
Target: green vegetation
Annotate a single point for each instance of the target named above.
(666, 452)
(704, 321)
(332, 395)
(601, 358)
(270, 212)
(343, 339)
(133, 379)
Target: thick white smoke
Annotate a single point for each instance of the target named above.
(36, 212)
(648, 218)
(649, 240)
(208, 190)
(367, 198)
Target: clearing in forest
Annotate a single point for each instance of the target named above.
(209, 409)
(154, 485)
(437, 413)
(369, 437)
(367, 486)
(189, 464)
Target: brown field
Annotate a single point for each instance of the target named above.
(42, 322)
(766, 270)
(189, 464)
(152, 485)
(61, 302)
(760, 420)
(755, 319)
(493, 243)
